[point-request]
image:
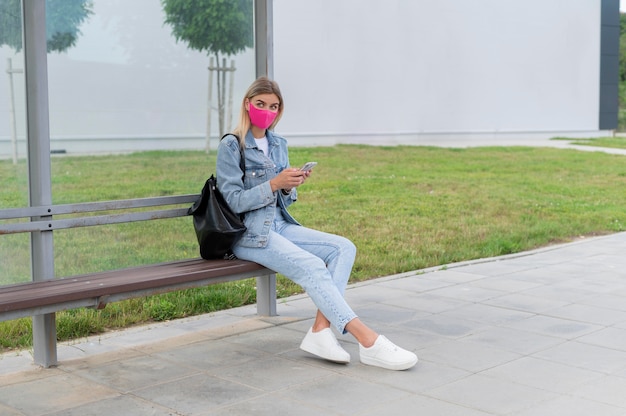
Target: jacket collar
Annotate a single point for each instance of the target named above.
(251, 143)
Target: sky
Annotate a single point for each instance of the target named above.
(622, 6)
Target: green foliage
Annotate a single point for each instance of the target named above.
(161, 310)
(63, 19)
(214, 26)
(11, 24)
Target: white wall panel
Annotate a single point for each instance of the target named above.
(445, 66)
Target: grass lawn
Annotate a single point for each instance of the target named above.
(406, 208)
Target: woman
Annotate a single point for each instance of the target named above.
(319, 262)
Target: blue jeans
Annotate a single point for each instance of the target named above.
(319, 262)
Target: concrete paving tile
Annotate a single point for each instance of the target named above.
(545, 276)
(273, 373)
(608, 390)
(85, 348)
(526, 303)
(7, 411)
(95, 360)
(506, 284)
(598, 264)
(570, 406)
(559, 291)
(606, 300)
(307, 359)
(15, 361)
(446, 326)
(29, 374)
(53, 394)
(607, 284)
(121, 405)
(423, 406)
(424, 376)
(404, 335)
(428, 302)
(496, 396)
(385, 314)
(134, 373)
(499, 267)
(368, 294)
(590, 314)
(514, 340)
(487, 314)
(301, 327)
(468, 356)
(460, 275)
(555, 327)
(419, 283)
(408, 336)
(201, 393)
(345, 395)
(211, 354)
(270, 405)
(276, 340)
(543, 374)
(586, 356)
(614, 338)
(147, 335)
(468, 292)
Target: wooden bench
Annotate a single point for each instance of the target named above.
(96, 290)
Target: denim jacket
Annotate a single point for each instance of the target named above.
(253, 196)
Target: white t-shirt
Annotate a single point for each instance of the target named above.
(262, 144)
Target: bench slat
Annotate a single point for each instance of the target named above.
(110, 283)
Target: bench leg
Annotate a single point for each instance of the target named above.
(266, 295)
(45, 340)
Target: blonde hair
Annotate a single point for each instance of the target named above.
(262, 85)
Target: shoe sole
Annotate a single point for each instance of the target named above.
(320, 355)
(389, 366)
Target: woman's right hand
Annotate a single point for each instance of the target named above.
(287, 179)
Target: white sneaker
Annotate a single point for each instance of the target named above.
(386, 354)
(324, 344)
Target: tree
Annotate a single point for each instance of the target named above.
(217, 27)
(63, 18)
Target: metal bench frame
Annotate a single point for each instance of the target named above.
(44, 297)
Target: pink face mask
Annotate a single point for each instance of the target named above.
(261, 118)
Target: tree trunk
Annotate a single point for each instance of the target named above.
(220, 95)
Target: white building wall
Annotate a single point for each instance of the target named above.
(412, 70)
(391, 71)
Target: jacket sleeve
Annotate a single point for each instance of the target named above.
(230, 180)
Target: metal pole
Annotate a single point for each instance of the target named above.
(231, 85)
(222, 95)
(208, 116)
(264, 38)
(40, 189)
(11, 71)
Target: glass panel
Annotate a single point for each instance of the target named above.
(14, 248)
(121, 83)
(12, 104)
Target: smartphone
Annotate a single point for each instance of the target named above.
(308, 166)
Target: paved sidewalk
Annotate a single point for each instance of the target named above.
(537, 333)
